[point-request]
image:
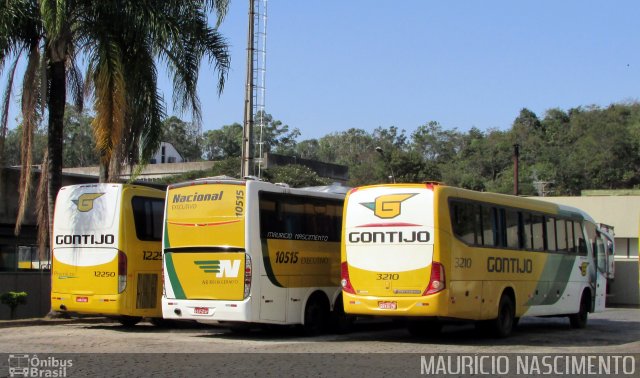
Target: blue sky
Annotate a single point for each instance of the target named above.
(336, 64)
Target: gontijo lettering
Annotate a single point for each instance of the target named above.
(389, 237)
(85, 239)
(198, 197)
(509, 265)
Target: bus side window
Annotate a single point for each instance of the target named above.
(537, 232)
(551, 234)
(561, 230)
(489, 226)
(581, 241)
(512, 226)
(527, 233)
(464, 221)
(147, 216)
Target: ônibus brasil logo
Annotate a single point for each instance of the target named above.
(85, 201)
(388, 206)
(221, 268)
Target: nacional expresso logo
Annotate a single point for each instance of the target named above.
(388, 206)
(85, 201)
(221, 268)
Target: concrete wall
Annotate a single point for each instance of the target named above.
(38, 287)
(625, 288)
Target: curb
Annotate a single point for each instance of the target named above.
(51, 321)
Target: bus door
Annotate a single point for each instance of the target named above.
(600, 255)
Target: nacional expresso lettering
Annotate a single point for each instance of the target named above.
(389, 237)
(86, 239)
(198, 197)
(509, 265)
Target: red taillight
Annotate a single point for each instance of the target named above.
(436, 282)
(247, 276)
(345, 281)
(122, 271)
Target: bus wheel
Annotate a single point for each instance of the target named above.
(424, 328)
(504, 323)
(316, 314)
(162, 323)
(579, 320)
(340, 321)
(129, 321)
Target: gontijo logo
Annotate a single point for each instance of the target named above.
(222, 268)
(388, 206)
(85, 201)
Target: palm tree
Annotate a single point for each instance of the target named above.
(122, 41)
(122, 71)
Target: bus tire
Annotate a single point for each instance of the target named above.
(424, 328)
(161, 322)
(316, 314)
(129, 321)
(579, 319)
(504, 323)
(341, 322)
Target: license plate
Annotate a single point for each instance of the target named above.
(82, 299)
(388, 305)
(201, 310)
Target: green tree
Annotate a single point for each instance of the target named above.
(276, 136)
(78, 139)
(112, 36)
(295, 176)
(184, 136)
(223, 143)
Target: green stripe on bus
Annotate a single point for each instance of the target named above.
(166, 235)
(267, 263)
(173, 277)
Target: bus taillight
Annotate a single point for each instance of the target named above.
(436, 282)
(122, 271)
(345, 281)
(247, 275)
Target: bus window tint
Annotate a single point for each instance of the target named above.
(581, 242)
(537, 232)
(551, 234)
(489, 236)
(464, 220)
(147, 216)
(561, 228)
(290, 217)
(527, 231)
(512, 226)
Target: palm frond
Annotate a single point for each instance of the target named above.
(29, 126)
(110, 99)
(6, 100)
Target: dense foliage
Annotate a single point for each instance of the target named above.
(561, 153)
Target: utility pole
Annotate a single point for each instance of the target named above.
(516, 170)
(247, 131)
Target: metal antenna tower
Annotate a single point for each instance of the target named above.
(259, 72)
(254, 103)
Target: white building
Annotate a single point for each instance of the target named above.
(167, 153)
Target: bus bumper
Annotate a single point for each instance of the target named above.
(209, 311)
(431, 305)
(87, 304)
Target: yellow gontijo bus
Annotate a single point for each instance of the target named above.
(432, 252)
(107, 251)
(248, 252)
